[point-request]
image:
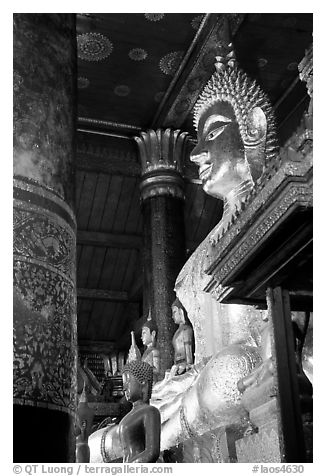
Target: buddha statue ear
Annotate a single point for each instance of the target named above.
(256, 131)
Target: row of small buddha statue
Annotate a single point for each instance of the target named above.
(182, 344)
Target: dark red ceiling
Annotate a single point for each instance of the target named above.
(143, 53)
(127, 61)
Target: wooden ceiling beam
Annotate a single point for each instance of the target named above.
(105, 295)
(102, 294)
(110, 240)
(194, 71)
(97, 347)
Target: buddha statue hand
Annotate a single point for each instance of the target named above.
(181, 368)
(261, 374)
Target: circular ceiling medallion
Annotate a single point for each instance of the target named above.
(82, 83)
(170, 62)
(93, 46)
(196, 21)
(154, 16)
(292, 66)
(159, 96)
(262, 62)
(138, 54)
(122, 90)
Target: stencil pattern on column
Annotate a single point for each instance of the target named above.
(45, 326)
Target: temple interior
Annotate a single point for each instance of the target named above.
(163, 214)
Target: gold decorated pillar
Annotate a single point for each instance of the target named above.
(162, 194)
(44, 240)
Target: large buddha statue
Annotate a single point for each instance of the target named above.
(236, 139)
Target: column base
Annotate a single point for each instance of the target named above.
(42, 435)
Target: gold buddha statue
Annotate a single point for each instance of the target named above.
(151, 354)
(236, 139)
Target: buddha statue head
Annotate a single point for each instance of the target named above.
(149, 332)
(137, 378)
(235, 127)
(178, 312)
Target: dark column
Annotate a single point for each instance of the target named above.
(162, 193)
(292, 442)
(45, 327)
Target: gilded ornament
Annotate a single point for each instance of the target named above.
(93, 47)
(154, 16)
(122, 90)
(138, 54)
(262, 62)
(82, 83)
(170, 62)
(196, 21)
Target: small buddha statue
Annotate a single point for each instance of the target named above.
(85, 416)
(140, 429)
(182, 340)
(151, 354)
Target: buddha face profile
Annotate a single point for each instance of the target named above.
(147, 336)
(220, 151)
(137, 379)
(236, 133)
(177, 315)
(131, 387)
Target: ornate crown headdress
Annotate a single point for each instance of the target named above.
(150, 323)
(231, 84)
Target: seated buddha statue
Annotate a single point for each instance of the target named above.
(182, 340)
(236, 138)
(140, 429)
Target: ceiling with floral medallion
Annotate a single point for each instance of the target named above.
(127, 61)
